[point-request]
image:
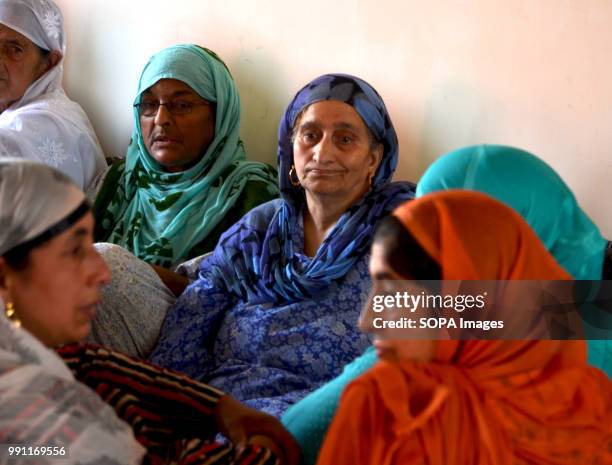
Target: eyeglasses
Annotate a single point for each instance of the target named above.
(175, 107)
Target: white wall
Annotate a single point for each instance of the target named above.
(536, 74)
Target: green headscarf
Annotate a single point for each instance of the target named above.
(532, 188)
(161, 216)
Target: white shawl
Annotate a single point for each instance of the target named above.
(45, 125)
(41, 404)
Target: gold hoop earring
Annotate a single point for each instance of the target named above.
(293, 177)
(371, 180)
(12, 315)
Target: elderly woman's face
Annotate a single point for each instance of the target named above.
(56, 294)
(21, 63)
(333, 153)
(178, 135)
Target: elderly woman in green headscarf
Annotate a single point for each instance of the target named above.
(185, 179)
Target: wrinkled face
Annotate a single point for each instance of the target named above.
(56, 295)
(21, 63)
(177, 141)
(388, 342)
(333, 153)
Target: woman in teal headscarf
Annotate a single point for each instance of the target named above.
(536, 192)
(185, 179)
(532, 188)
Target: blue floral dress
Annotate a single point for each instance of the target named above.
(267, 356)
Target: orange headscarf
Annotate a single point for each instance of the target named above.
(477, 402)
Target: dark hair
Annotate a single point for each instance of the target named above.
(403, 253)
(43, 51)
(18, 257)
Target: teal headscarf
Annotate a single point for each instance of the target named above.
(531, 187)
(539, 195)
(161, 216)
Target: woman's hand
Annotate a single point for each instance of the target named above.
(243, 425)
(173, 281)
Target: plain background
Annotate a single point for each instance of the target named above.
(535, 74)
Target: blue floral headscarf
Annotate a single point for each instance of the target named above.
(269, 264)
(366, 102)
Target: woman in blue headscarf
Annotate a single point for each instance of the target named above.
(185, 179)
(273, 313)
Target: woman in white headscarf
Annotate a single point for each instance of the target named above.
(95, 406)
(37, 120)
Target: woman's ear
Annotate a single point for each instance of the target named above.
(47, 63)
(376, 155)
(53, 59)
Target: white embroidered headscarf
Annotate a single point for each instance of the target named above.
(45, 125)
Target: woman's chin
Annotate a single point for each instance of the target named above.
(386, 353)
(173, 162)
(78, 334)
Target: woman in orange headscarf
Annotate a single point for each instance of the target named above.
(470, 402)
